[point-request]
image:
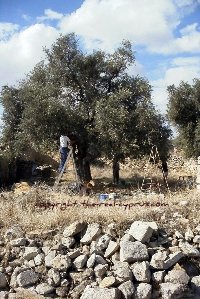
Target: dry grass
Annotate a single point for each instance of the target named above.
(178, 209)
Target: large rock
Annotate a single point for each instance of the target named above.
(171, 290)
(143, 291)
(44, 289)
(122, 271)
(61, 262)
(73, 229)
(127, 289)
(133, 251)
(141, 271)
(30, 253)
(49, 257)
(158, 260)
(27, 278)
(92, 232)
(80, 261)
(177, 276)
(103, 242)
(141, 231)
(101, 293)
(112, 248)
(189, 249)
(107, 282)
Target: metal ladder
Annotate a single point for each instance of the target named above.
(59, 177)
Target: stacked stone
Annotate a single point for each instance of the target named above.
(87, 262)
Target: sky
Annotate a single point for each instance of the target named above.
(165, 36)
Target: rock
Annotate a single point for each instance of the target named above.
(122, 271)
(127, 289)
(158, 277)
(18, 242)
(27, 278)
(141, 271)
(133, 252)
(171, 290)
(62, 292)
(112, 248)
(196, 239)
(80, 261)
(100, 260)
(111, 229)
(107, 282)
(127, 237)
(92, 232)
(141, 231)
(195, 284)
(61, 262)
(68, 242)
(158, 260)
(44, 289)
(74, 254)
(50, 256)
(3, 280)
(73, 229)
(91, 261)
(177, 276)
(54, 277)
(101, 293)
(30, 253)
(100, 270)
(188, 249)
(103, 242)
(143, 291)
(3, 295)
(189, 235)
(172, 259)
(16, 272)
(77, 277)
(39, 259)
(178, 235)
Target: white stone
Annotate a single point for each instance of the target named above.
(122, 271)
(44, 289)
(112, 248)
(127, 289)
(141, 231)
(61, 262)
(143, 291)
(30, 253)
(92, 232)
(68, 242)
(133, 251)
(101, 293)
(80, 261)
(171, 290)
(177, 276)
(73, 229)
(141, 271)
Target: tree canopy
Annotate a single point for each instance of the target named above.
(93, 96)
(184, 113)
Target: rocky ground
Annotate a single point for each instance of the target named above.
(88, 262)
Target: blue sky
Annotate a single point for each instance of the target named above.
(164, 33)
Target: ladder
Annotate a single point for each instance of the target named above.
(148, 183)
(59, 177)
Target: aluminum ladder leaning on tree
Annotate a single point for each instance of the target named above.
(57, 181)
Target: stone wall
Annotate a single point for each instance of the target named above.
(90, 262)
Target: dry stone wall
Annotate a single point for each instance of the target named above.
(88, 262)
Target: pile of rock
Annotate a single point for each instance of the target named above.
(88, 262)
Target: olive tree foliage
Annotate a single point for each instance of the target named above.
(184, 113)
(106, 111)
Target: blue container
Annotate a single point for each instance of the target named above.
(103, 196)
